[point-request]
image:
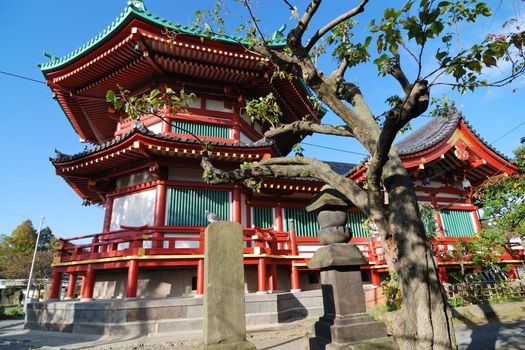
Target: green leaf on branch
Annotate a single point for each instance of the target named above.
(264, 110)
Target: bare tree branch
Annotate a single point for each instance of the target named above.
(289, 167)
(307, 16)
(254, 20)
(330, 25)
(339, 72)
(290, 6)
(305, 127)
(400, 76)
(414, 105)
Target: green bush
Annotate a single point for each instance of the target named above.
(9, 296)
(16, 312)
(457, 301)
(392, 292)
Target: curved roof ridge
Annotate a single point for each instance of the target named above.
(91, 44)
(140, 128)
(136, 9)
(486, 143)
(430, 134)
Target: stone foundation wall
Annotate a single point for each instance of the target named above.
(144, 316)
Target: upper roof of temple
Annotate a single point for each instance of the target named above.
(137, 10)
(135, 52)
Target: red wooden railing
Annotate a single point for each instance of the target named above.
(166, 240)
(372, 249)
(171, 240)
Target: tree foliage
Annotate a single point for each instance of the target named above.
(16, 253)
(503, 200)
(481, 252)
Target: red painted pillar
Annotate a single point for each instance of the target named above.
(71, 286)
(293, 243)
(294, 269)
(295, 279)
(248, 216)
(236, 129)
(511, 272)
(82, 285)
(441, 230)
(261, 276)
(200, 279)
(236, 133)
(442, 274)
(476, 220)
(236, 196)
(89, 283)
(166, 126)
(56, 278)
(273, 278)
(160, 213)
(107, 214)
(376, 280)
(94, 245)
(133, 277)
(279, 218)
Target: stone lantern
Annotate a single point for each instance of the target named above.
(345, 322)
(331, 206)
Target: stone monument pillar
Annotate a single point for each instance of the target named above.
(345, 323)
(224, 319)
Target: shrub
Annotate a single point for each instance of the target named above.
(9, 296)
(16, 312)
(392, 292)
(457, 301)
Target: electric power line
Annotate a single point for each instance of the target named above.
(22, 77)
(508, 132)
(334, 149)
(22, 107)
(11, 212)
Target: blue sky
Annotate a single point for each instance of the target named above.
(32, 125)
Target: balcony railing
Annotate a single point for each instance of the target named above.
(150, 241)
(171, 240)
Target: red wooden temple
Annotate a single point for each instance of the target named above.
(146, 173)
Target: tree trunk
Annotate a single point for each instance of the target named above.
(424, 321)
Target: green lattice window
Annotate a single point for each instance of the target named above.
(355, 222)
(187, 207)
(457, 223)
(262, 217)
(200, 129)
(305, 223)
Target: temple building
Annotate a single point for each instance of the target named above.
(147, 176)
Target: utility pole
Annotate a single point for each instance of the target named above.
(33, 263)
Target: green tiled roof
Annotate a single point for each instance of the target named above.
(136, 9)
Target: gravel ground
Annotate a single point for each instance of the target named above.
(287, 336)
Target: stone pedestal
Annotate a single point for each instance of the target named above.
(345, 323)
(224, 319)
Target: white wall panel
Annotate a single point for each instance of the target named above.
(136, 209)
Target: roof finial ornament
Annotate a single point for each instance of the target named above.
(138, 125)
(137, 5)
(279, 34)
(51, 57)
